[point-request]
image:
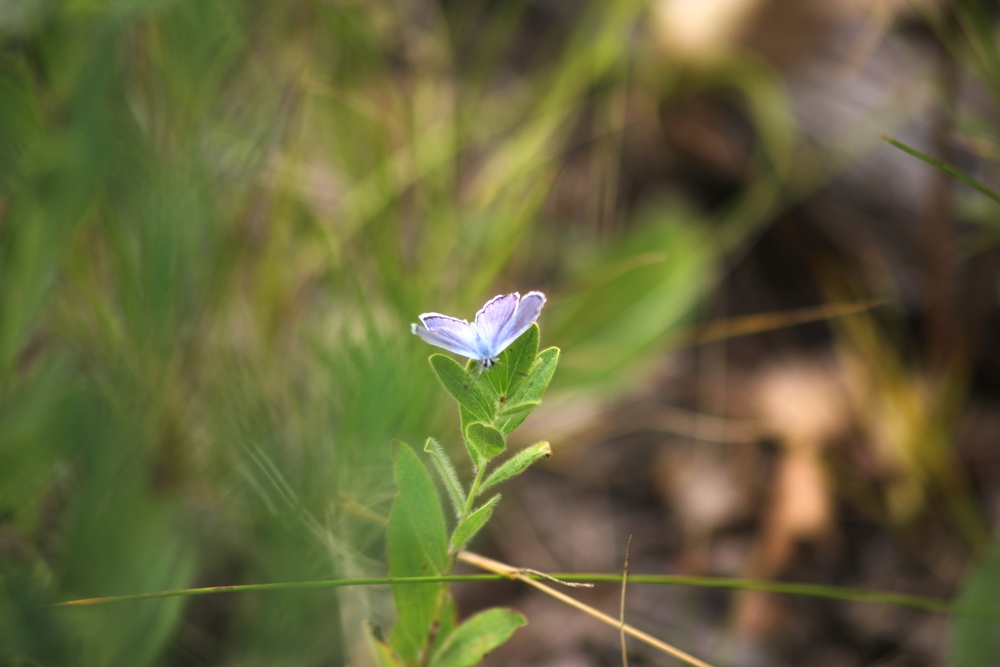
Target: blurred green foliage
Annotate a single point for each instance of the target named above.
(216, 221)
(974, 639)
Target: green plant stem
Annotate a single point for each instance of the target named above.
(473, 491)
(943, 166)
(918, 602)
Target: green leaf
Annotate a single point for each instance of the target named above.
(514, 364)
(447, 623)
(539, 377)
(384, 655)
(473, 524)
(467, 390)
(509, 410)
(975, 641)
(466, 418)
(476, 637)
(485, 440)
(421, 505)
(521, 354)
(532, 389)
(517, 464)
(417, 545)
(446, 471)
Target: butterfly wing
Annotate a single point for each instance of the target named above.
(528, 310)
(504, 318)
(491, 320)
(498, 324)
(450, 333)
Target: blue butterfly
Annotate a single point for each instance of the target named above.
(498, 324)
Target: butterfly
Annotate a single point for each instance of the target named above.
(498, 324)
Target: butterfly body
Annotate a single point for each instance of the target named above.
(497, 324)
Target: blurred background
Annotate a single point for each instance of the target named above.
(779, 332)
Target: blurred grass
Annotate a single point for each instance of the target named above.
(217, 220)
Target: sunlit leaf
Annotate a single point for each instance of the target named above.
(473, 524)
(417, 545)
(447, 473)
(473, 639)
(467, 390)
(514, 364)
(485, 440)
(531, 389)
(517, 464)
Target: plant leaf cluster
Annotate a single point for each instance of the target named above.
(491, 405)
